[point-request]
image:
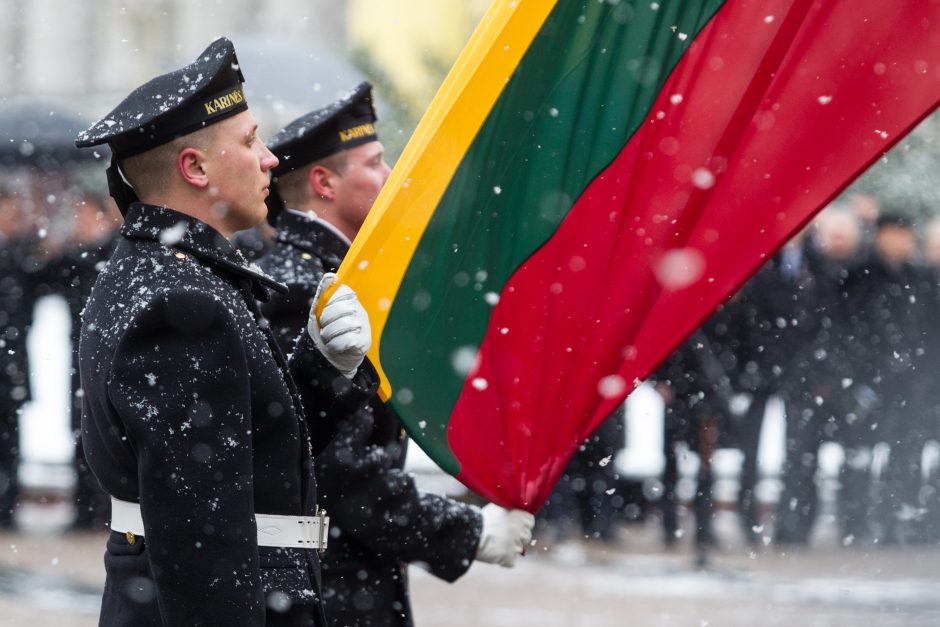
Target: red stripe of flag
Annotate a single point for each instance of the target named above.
(775, 108)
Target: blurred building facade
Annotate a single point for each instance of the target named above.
(412, 42)
(83, 56)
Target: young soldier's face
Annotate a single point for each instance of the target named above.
(361, 182)
(239, 166)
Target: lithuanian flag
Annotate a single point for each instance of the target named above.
(592, 180)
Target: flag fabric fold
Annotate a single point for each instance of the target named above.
(592, 180)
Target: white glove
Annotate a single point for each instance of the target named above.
(505, 534)
(342, 333)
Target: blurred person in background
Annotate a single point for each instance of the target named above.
(331, 169)
(18, 268)
(866, 210)
(256, 242)
(929, 366)
(783, 308)
(886, 320)
(584, 496)
(837, 236)
(695, 385)
(92, 239)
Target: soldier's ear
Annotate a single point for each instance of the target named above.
(191, 165)
(322, 182)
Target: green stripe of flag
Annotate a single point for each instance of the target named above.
(581, 91)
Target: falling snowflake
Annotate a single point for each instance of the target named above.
(680, 267)
(611, 386)
(462, 360)
(703, 178)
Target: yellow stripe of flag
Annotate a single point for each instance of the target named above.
(380, 255)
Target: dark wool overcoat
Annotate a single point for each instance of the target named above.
(191, 410)
(380, 521)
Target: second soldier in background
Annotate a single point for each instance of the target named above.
(331, 170)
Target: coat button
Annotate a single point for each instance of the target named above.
(131, 538)
(307, 256)
(180, 256)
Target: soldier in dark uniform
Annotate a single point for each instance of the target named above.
(17, 265)
(784, 307)
(192, 420)
(331, 169)
(695, 384)
(884, 296)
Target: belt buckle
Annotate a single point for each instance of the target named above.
(324, 521)
(313, 531)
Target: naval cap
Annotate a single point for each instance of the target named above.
(206, 91)
(343, 124)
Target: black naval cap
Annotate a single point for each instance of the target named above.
(341, 125)
(172, 105)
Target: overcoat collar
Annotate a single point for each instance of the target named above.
(313, 236)
(186, 233)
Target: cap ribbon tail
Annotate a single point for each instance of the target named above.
(122, 193)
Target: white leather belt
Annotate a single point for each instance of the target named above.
(299, 532)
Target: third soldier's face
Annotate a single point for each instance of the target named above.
(239, 169)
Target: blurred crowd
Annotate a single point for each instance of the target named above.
(843, 327)
(51, 242)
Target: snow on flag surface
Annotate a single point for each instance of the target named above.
(591, 181)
